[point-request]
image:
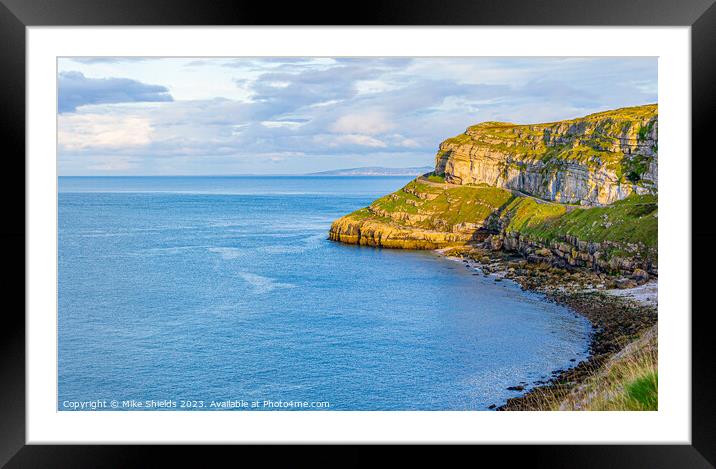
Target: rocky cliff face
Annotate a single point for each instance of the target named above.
(593, 160)
(428, 215)
(579, 193)
(423, 215)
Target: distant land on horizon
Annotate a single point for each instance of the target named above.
(362, 171)
(375, 171)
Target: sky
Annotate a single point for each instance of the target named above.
(230, 116)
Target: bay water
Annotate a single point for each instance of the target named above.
(216, 293)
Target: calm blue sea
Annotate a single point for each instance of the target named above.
(223, 292)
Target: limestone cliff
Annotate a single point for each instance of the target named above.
(597, 159)
(574, 193)
(425, 214)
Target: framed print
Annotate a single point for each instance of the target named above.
(437, 225)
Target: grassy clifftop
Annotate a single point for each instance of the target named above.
(425, 214)
(629, 221)
(428, 213)
(597, 139)
(424, 204)
(594, 160)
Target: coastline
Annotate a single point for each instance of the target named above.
(619, 318)
(568, 209)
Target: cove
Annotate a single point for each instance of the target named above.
(226, 289)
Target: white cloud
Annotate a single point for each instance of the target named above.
(370, 123)
(350, 139)
(276, 124)
(326, 103)
(278, 84)
(408, 143)
(250, 116)
(373, 86)
(83, 131)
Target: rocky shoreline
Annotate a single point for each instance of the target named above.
(568, 209)
(617, 319)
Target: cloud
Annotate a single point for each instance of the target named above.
(238, 63)
(377, 62)
(365, 123)
(330, 113)
(107, 60)
(406, 142)
(74, 90)
(92, 131)
(350, 139)
(285, 91)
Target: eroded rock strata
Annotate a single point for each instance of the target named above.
(577, 193)
(597, 159)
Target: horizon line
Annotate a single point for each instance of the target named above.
(231, 175)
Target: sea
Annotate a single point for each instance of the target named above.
(224, 293)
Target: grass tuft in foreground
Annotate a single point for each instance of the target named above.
(643, 393)
(627, 381)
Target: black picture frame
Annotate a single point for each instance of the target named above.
(16, 15)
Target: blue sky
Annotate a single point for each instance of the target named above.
(200, 116)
